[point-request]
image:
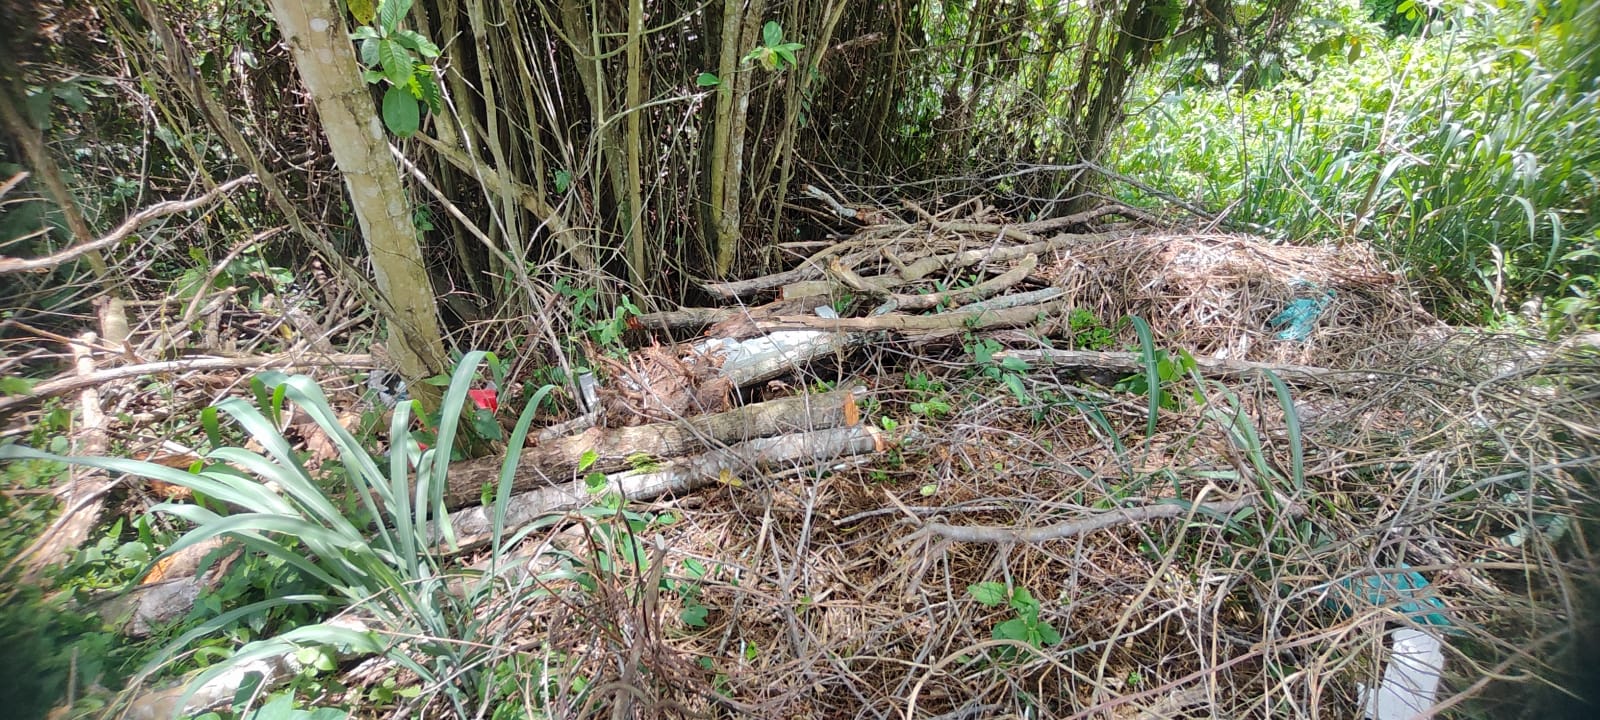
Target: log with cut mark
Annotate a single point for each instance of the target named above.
(557, 461)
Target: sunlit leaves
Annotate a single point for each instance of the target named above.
(362, 10)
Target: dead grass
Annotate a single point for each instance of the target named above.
(828, 596)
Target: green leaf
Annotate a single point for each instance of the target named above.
(1047, 635)
(72, 96)
(1014, 364)
(12, 385)
(1022, 601)
(707, 80)
(400, 112)
(391, 12)
(772, 33)
(416, 41)
(587, 459)
(363, 11)
(1013, 629)
(363, 32)
(426, 87)
(563, 181)
(694, 616)
(208, 421)
(396, 61)
(989, 594)
(369, 52)
(1014, 382)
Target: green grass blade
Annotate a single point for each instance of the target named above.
(1152, 372)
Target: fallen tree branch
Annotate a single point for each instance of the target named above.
(161, 209)
(617, 448)
(922, 267)
(957, 297)
(84, 495)
(475, 526)
(1098, 521)
(958, 320)
(62, 386)
(684, 318)
(1132, 363)
(1048, 224)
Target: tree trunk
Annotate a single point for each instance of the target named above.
(316, 35)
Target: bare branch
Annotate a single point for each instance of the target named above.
(162, 209)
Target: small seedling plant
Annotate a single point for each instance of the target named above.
(1025, 626)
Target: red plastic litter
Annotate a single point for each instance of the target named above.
(485, 399)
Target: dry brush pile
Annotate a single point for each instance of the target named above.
(1013, 502)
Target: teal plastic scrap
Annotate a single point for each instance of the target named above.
(1407, 590)
(1300, 316)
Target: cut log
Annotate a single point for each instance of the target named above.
(557, 461)
(747, 362)
(475, 526)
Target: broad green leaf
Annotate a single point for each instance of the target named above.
(1013, 629)
(426, 87)
(772, 33)
(391, 12)
(1048, 635)
(363, 11)
(396, 61)
(369, 51)
(990, 594)
(415, 41)
(12, 385)
(400, 112)
(363, 32)
(73, 97)
(707, 80)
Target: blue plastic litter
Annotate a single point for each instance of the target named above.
(1300, 316)
(1407, 590)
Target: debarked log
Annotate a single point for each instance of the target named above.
(614, 449)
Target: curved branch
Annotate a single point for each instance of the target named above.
(162, 209)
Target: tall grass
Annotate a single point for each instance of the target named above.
(1470, 154)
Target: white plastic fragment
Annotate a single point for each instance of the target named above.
(1411, 681)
